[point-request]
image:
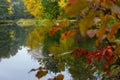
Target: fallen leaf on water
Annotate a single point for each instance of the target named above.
(41, 73)
(59, 77)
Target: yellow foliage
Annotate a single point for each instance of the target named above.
(101, 32)
(117, 51)
(9, 8)
(74, 7)
(86, 23)
(34, 7)
(35, 38)
(12, 35)
(9, 1)
(114, 28)
(53, 0)
(63, 46)
(111, 38)
(10, 12)
(62, 3)
(55, 49)
(63, 23)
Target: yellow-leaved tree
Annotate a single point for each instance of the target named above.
(34, 7)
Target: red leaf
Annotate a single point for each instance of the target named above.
(89, 60)
(106, 66)
(110, 60)
(78, 53)
(85, 52)
(109, 49)
(73, 52)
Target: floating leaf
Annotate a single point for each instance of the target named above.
(59, 77)
(41, 72)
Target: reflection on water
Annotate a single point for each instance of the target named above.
(11, 38)
(18, 66)
(16, 60)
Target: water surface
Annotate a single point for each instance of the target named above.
(18, 66)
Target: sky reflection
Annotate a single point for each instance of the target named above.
(18, 66)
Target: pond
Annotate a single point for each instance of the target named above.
(17, 67)
(16, 60)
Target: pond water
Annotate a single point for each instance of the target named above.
(16, 60)
(17, 67)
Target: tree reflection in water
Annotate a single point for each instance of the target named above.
(11, 38)
(76, 69)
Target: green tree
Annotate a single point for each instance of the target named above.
(4, 9)
(11, 39)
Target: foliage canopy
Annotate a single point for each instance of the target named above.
(88, 28)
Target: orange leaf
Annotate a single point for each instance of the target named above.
(68, 33)
(41, 73)
(54, 29)
(63, 23)
(114, 1)
(101, 32)
(114, 28)
(102, 2)
(59, 77)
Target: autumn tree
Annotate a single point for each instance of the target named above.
(87, 29)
